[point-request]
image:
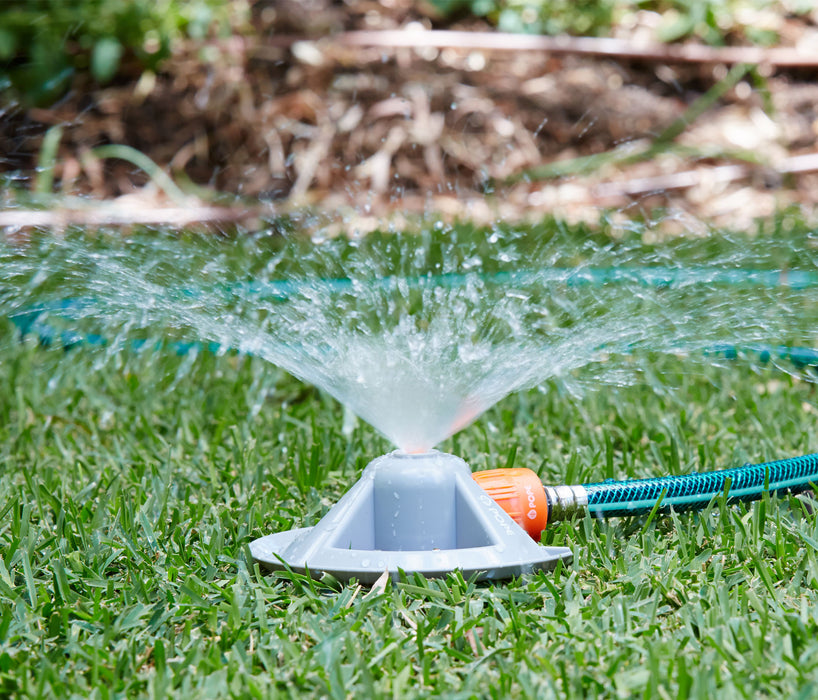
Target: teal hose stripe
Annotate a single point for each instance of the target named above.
(33, 321)
(686, 502)
(638, 496)
(571, 276)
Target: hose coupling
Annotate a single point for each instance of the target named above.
(564, 501)
(529, 503)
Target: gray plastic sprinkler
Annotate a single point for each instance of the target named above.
(413, 512)
(426, 513)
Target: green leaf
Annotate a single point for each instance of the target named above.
(200, 21)
(510, 21)
(675, 26)
(448, 7)
(8, 44)
(105, 59)
(482, 8)
(48, 159)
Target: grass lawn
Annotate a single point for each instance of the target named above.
(130, 489)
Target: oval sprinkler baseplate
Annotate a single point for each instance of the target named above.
(414, 513)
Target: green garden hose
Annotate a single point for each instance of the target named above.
(532, 504)
(692, 491)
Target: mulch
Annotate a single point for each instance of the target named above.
(371, 132)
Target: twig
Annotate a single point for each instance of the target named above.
(674, 181)
(123, 216)
(590, 46)
(805, 163)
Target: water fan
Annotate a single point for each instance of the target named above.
(418, 335)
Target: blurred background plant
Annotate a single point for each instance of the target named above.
(712, 21)
(45, 43)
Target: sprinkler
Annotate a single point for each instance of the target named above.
(417, 513)
(427, 513)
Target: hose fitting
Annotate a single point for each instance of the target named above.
(564, 501)
(530, 504)
(516, 489)
(520, 493)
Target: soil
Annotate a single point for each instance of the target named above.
(371, 133)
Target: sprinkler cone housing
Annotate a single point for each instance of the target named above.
(414, 513)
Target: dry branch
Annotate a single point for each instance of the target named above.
(105, 215)
(585, 46)
(691, 178)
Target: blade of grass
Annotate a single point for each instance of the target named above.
(127, 153)
(44, 181)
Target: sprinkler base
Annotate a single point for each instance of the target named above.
(413, 513)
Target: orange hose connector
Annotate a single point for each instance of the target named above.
(520, 493)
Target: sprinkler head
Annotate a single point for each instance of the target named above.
(414, 513)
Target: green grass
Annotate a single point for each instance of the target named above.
(131, 485)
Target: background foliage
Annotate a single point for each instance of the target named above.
(710, 20)
(44, 43)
